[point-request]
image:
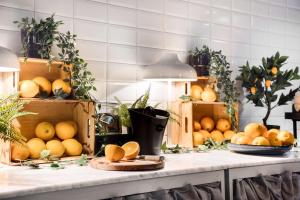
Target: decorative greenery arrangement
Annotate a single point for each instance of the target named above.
(81, 78)
(220, 70)
(43, 33)
(264, 82)
(10, 109)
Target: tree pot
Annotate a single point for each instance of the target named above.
(148, 127)
(272, 127)
(110, 138)
(33, 46)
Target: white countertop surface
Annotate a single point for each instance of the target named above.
(18, 181)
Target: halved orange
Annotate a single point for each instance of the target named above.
(132, 150)
(114, 153)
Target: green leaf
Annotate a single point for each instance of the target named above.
(83, 160)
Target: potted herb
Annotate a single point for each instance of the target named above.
(200, 60)
(265, 84)
(38, 37)
(10, 110)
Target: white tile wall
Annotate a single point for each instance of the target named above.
(118, 37)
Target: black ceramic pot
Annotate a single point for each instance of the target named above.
(110, 138)
(148, 127)
(200, 63)
(33, 45)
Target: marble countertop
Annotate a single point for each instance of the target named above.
(18, 181)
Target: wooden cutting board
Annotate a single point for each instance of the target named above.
(126, 165)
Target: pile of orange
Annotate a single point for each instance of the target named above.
(40, 86)
(58, 139)
(257, 134)
(115, 153)
(206, 127)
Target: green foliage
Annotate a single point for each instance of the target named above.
(220, 70)
(82, 80)
(44, 33)
(255, 80)
(10, 109)
(82, 161)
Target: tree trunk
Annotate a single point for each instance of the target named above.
(265, 119)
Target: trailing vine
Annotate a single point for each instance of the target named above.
(220, 69)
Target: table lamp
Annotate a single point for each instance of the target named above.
(169, 68)
(8, 61)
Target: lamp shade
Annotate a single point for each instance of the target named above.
(169, 68)
(8, 61)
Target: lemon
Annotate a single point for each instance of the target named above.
(229, 134)
(197, 126)
(72, 147)
(36, 146)
(65, 130)
(44, 84)
(223, 125)
(207, 123)
(286, 137)
(56, 148)
(28, 89)
(45, 131)
(255, 129)
(114, 153)
(19, 152)
(198, 139)
(132, 150)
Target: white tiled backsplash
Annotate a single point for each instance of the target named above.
(117, 37)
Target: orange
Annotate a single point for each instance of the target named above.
(132, 150)
(197, 126)
(196, 92)
(268, 83)
(114, 153)
(36, 146)
(205, 134)
(223, 125)
(19, 152)
(72, 147)
(208, 95)
(255, 129)
(217, 136)
(286, 137)
(271, 135)
(243, 139)
(45, 131)
(229, 134)
(274, 70)
(44, 84)
(261, 141)
(253, 90)
(65, 130)
(207, 123)
(60, 84)
(198, 139)
(56, 148)
(28, 89)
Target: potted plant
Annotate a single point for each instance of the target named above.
(38, 37)
(200, 60)
(10, 110)
(265, 84)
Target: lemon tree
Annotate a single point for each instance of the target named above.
(265, 83)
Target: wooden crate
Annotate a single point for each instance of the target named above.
(55, 111)
(33, 67)
(194, 110)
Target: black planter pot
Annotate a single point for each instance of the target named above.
(148, 127)
(272, 127)
(110, 138)
(200, 63)
(33, 45)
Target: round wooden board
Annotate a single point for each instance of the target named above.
(126, 165)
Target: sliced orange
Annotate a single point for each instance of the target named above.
(114, 153)
(132, 150)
